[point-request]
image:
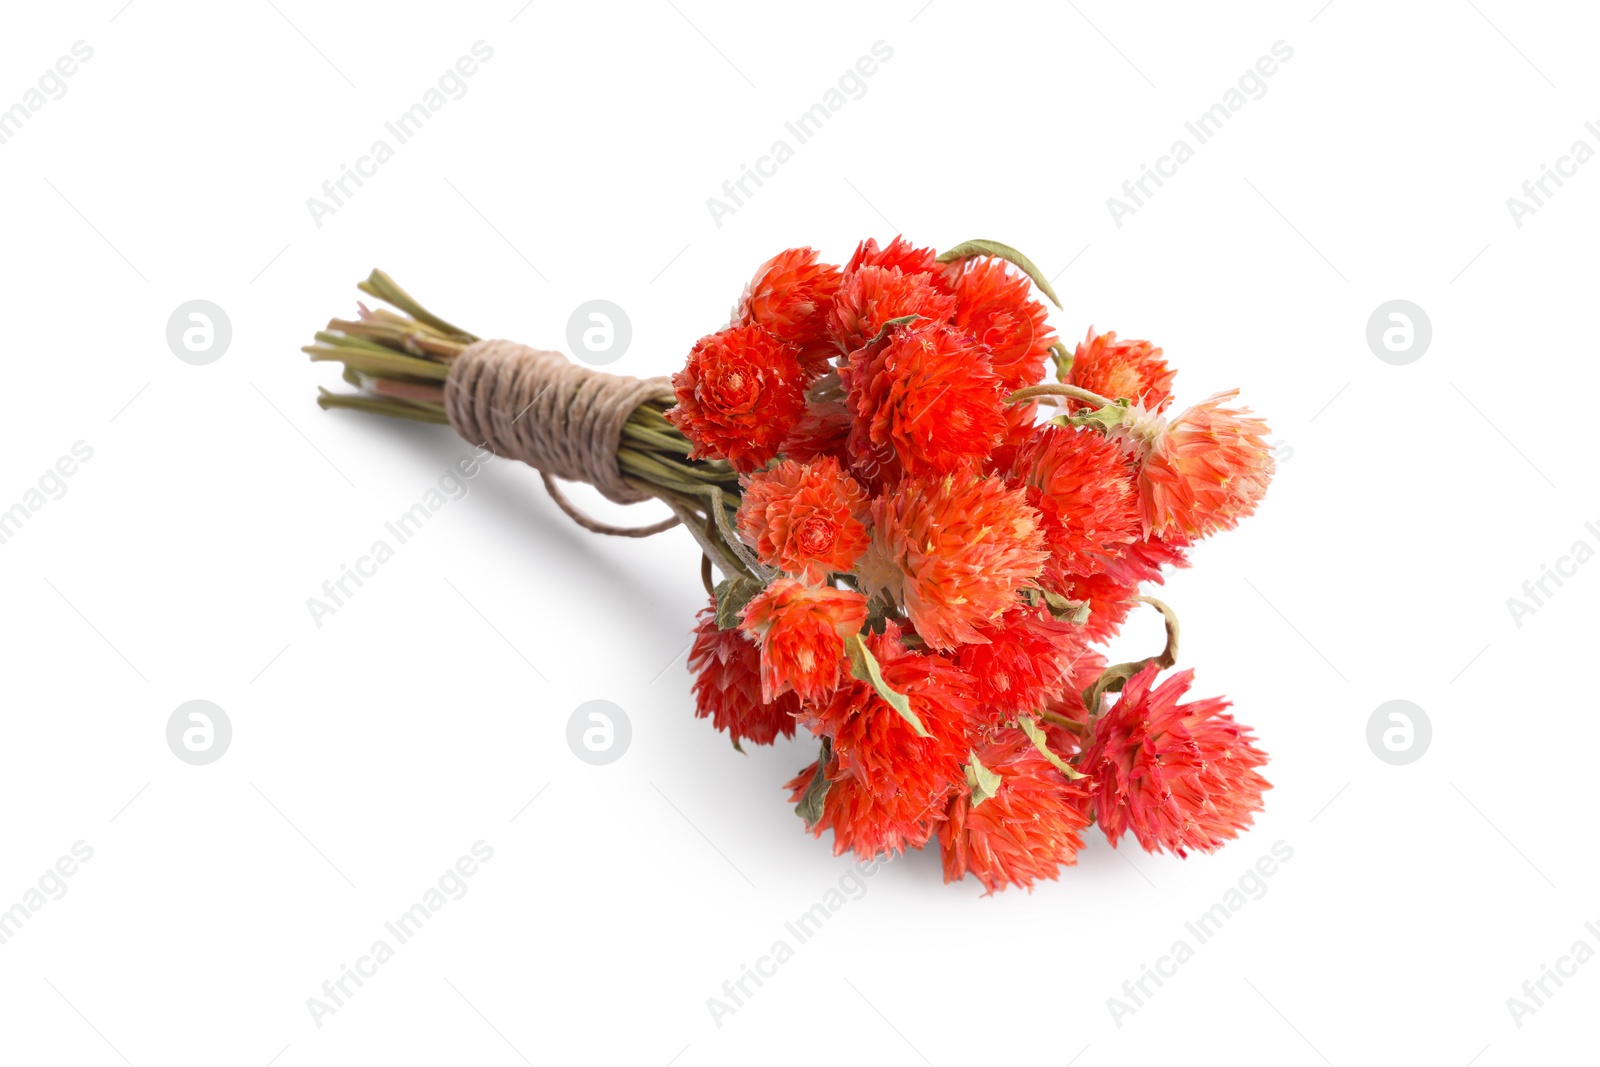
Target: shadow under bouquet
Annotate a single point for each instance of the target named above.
(919, 541)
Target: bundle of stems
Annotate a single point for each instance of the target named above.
(400, 360)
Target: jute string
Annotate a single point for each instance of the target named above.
(561, 418)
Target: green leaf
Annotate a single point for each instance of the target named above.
(969, 249)
(732, 595)
(1037, 736)
(983, 782)
(809, 806)
(864, 667)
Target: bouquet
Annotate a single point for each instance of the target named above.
(918, 540)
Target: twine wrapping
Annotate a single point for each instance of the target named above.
(563, 419)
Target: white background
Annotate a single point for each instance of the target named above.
(370, 753)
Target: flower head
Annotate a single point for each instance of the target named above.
(998, 309)
(1130, 369)
(1086, 495)
(873, 296)
(1178, 776)
(727, 685)
(1203, 471)
(899, 253)
(1027, 659)
(801, 630)
(923, 401)
(1030, 828)
(893, 781)
(953, 552)
(807, 519)
(738, 396)
(790, 297)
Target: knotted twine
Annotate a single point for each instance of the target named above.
(560, 418)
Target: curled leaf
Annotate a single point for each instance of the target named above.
(969, 249)
(1113, 678)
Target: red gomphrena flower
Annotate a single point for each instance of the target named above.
(1177, 776)
(1143, 560)
(824, 430)
(727, 685)
(807, 519)
(1131, 369)
(790, 297)
(873, 296)
(1021, 422)
(953, 552)
(899, 253)
(1085, 672)
(1027, 659)
(738, 396)
(1203, 471)
(801, 630)
(1030, 828)
(892, 780)
(1109, 598)
(1110, 594)
(923, 401)
(998, 309)
(1086, 494)
(861, 821)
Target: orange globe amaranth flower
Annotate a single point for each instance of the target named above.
(953, 552)
(807, 519)
(1085, 671)
(923, 401)
(738, 396)
(727, 685)
(790, 297)
(1203, 471)
(861, 821)
(1114, 369)
(892, 783)
(1030, 828)
(998, 309)
(801, 630)
(1085, 491)
(1177, 776)
(1021, 423)
(902, 254)
(1028, 658)
(824, 430)
(873, 296)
